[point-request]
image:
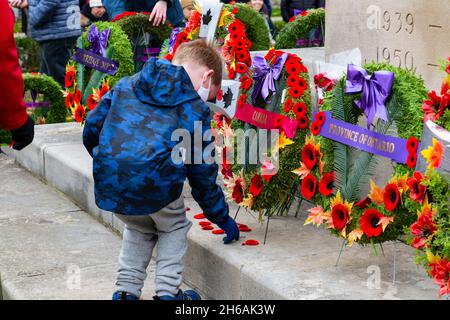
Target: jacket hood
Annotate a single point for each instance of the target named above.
(163, 84)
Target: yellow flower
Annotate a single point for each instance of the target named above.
(282, 142)
(317, 216)
(354, 236)
(433, 154)
(400, 181)
(376, 195)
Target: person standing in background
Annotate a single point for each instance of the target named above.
(92, 11)
(259, 6)
(161, 10)
(55, 25)
(13, 114)
(288, 7)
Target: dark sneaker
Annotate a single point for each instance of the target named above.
(182, 295)
(122, 295)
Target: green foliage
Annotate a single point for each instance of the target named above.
(29, 53)
(256, 28)
(299, 28)
(279, 25)
(52, 93)
(119, 49)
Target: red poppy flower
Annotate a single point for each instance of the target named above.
(235, 10)
(219, 119)
(272, 53)
(422, 229)
(248, 42)
(227, 171)
(295, 92)
(79, 114)
(69, 79)
(411, 161)
(300, 109)
(240, 44)
(241, 68)
(391, 197)
(302, 84)
(440, 271)
(242, 55)
(245, 229)
(231, 73)
(218, 231)
(370, 223)
(242, 100)
(302, 122)
(308, 187)
(256, 185)
(204, 223)
(69, 100)
(292, 18)
(235, 36)
(168, 57)
(246, 82)
(309, 156)
(92, 103)
(104, 90)
(288, 105)
(220, 95)
(293, 80)
(207, 228)
(238, 192)
(320, 118)
(326, 184)
(323, 82)
(278, 121)
(412, 144)
(363, 203)
(315, 128)
(304, 13)
(77, 98)
(292, 68)
(123, 15)
(199, 216)
(417, 190)
(340, 216)
(236, 27)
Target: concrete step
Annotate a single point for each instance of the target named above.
(298, 262)
(50, 248)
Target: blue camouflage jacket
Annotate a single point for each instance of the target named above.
(129, 135)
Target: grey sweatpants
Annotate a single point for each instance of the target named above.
(167, 229)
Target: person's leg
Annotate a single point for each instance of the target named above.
(43, 61)
(139, 238)
(172, 228)
(57, 54)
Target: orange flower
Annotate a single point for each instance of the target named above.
(434, 154)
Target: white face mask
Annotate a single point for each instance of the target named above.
(203, 92)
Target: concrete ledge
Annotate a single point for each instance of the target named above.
(298, 262)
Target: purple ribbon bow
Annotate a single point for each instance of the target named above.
(173, 37)
(375, 88)
(265, 74)
(98, 40)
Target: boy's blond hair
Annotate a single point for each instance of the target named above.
(200, 52)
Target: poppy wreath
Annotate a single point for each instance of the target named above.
(388, 210)
(136, 27)
(259, 187)
(29, 53)
(299, 28)
(230, 36)
(85, 86)
(429, 234)
(47, 90)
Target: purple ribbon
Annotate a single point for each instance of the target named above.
(297, 12)
(265, 74)
(173, 37)
(375, 88)
(149, 52)
(34, 104)
(98, 40)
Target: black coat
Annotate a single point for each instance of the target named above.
(288, 6)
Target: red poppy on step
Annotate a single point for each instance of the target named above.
(308, 187)
(370, 223)
(199, 216)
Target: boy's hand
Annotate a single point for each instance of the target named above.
(21, 4)
(231, 229)
(98, 12)
(159, 12)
